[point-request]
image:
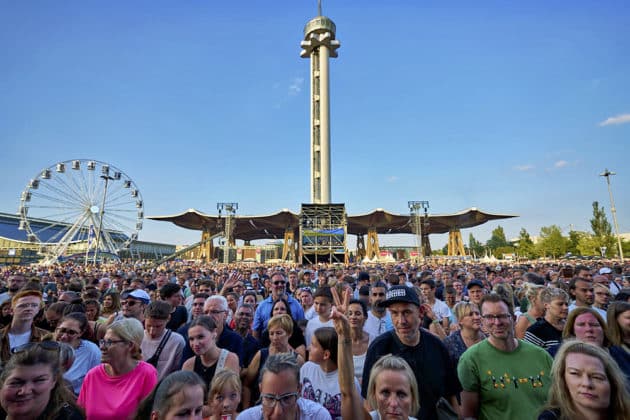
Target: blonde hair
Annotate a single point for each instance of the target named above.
(398, 364)
(559, 396)
(224, 379)
(463, 309)
(131, 330)
(553, 293)
(283, 321)
(532, 291)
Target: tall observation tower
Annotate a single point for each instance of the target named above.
(319, 44)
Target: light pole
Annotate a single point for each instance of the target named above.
(414, 208)
(230, 212)
(107, 178)
(607, 174)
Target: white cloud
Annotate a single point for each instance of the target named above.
(296, 86)
(560, 164)
(524, 168)
(618, 119)
(392, 178)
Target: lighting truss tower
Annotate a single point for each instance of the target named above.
(230, 212)
(418, 222)
(607, 174)
(319, 44)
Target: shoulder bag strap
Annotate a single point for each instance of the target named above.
(161, 345)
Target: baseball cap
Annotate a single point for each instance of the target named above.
(254, 276)
(605, 270)
(474, 283)
(400, 294)
(138, 294)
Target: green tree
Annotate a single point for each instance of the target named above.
(526, 247)
(502, 250)
(588, 245)
(602, 230)
(476, 247)
(497, 239)
(574, 241)
(552, 243)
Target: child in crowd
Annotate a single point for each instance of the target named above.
(323, 301)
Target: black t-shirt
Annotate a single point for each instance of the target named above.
(178, 318)
(543, 334)
(430, 362)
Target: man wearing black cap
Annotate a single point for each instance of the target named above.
(425, 353)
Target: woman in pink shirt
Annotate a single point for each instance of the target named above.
(114, 389)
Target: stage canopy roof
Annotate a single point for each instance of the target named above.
(273, 226)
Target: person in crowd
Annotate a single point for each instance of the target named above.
(243, 317)
(180, 395)
(450, 298)
(25, 305)
(111, 304)
(87, 355)
(224, 396)
(251, 298)
(122, 376)
(280, 393)
(439, 308)
(357, 314)
(280, 327)
(209, 358)
(305, 294)
(602, 298)
(535, 309)
(5, 313)
(475, 291)
(323, 301)
(161, 347)
(134, 303)
(469, 333)
(32, 387)
(197, 304)
(586, 384)
(14, 283)
(319, 379)
(52, 316)
(548, 331)
(263, 311)
(618, 324)
(172, 293)
(582, 291)
(296, 339)
(379, 320)
(425, 353)
(502, 377)
(92, 310)
(216, 306)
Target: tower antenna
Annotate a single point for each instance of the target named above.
(319, 7)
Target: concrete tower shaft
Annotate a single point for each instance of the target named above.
(319, 44)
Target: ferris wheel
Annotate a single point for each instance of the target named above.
(81, 205)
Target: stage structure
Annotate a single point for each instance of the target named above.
(323, 233)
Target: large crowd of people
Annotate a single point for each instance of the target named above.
(191, 340)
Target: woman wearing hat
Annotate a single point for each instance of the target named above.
(114, 389)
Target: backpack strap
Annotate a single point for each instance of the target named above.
(222, 358)
(163, 342)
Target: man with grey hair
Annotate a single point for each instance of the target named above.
(216, 306)
(280, 393)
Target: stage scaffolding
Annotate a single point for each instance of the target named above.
(323, 231)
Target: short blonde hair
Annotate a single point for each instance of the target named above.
(283, 321)
(398, 364)
(463, 309)
(131, 330)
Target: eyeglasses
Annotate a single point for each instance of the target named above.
(215, 312)
(46, 345)
(108, 343)
(279, 283)
(498, 317)
(285, 400)
(128, 302)
(68, 332)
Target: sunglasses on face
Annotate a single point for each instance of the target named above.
(129, 302)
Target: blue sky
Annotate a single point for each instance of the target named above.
(511, 108)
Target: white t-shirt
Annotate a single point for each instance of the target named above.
(309, 410)
(441, 310)
(312, 325)
(17, 340)
(323, 388)
(310, 313)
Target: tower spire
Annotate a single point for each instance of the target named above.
(319, 7)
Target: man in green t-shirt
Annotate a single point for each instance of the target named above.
(503, 377)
